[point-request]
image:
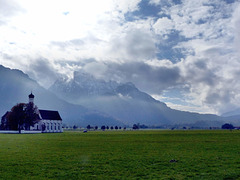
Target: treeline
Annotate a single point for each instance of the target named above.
(103, 127)
(89, 127)
(106, 127)
(142, 126)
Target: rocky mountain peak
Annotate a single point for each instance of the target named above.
(85, 85)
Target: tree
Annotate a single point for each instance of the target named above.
(75, 127)
(116, 127)
(96, 127)
(143, 126)
(111, 127)
(135, 126)
(103, 128)
(21, 116)
(16, 117)
(107, 127)
(88, 127)
(227, 126)
(31, 116)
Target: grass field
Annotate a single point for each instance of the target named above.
(121, 155)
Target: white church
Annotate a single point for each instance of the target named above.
(49, 121)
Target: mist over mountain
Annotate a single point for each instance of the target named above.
(86, 100)
(235, 112)
(15, 86)
(125, 102)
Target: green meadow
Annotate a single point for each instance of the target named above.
(156, 154)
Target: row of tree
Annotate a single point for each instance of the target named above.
(105, 127)
(135, 127)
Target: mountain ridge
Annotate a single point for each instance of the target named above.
(101, 103)
(125, 102)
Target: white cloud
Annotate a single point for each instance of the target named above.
(200, 19)
(159, 2)
(209, 68)
(133, 45)
(160, 63)
(8, 9)
(127, 6)
(236, 26)
(163, 26)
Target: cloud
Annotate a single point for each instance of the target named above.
(208, 68)
(163, 26)
(42, 69)
(149, 78)
(133, 42)
(155, 2)
(162, 2)
(97, 69)
(134, 45)
(236, 26)
(9, 8)
(128, 6)
(66, 44)
(189, 46)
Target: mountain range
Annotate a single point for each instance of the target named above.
(85, 100)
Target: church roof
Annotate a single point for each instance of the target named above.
(50, 115)
(5, 115)
(31, 95)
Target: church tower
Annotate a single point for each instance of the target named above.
(31, 98)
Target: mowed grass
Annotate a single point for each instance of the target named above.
(121, 155)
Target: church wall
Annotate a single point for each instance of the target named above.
(52, 126)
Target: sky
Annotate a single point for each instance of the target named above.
(182, 52)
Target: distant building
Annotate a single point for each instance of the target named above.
(49, 121)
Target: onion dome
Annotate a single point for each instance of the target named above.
(31, 96)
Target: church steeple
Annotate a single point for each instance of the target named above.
(31, 98)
